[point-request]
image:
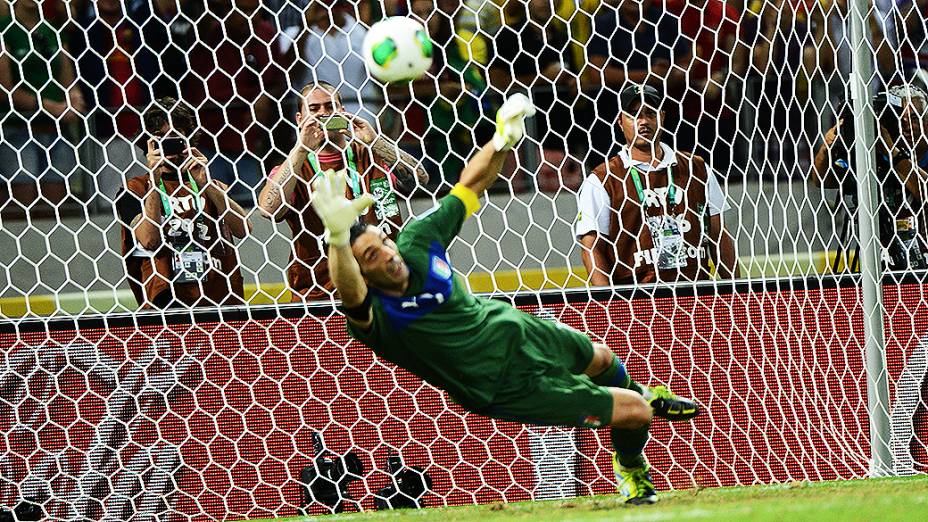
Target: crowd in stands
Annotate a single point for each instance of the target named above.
(240, 62)
(83, 68)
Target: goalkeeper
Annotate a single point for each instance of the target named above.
(403, 301)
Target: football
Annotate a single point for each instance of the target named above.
(397, 49)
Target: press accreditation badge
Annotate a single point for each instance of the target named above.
(386, 206)
(190, 266)
(668, 242)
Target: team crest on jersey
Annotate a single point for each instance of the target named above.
(441, 268)
(591, 421)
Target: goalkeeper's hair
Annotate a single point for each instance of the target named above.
(357, 230)
(176, 113)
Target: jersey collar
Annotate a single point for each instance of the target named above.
(670, 158)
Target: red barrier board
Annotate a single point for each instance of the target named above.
(214, 421)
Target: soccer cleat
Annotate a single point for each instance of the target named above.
(635, 484)
(667, 405)
(510, 121)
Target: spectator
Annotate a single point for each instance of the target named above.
(115, 78)
(291, 16)
(40, 104)
(178, 222)
(532, 52)
(331, 52)
(167, 28)
(638, 42)
(481, 16)
(634, 42)
(707, 123)
(575, 17)
(784, 53)
(373, 162)
(905, 24)
(446, 108)
(652, 214)
(832, 21)
(234, 76)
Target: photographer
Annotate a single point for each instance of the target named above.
(178, 223)
(901, 162)
(330, 138)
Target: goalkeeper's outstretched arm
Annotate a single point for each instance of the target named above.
(346, 276)
(483, 169)
(338, 214)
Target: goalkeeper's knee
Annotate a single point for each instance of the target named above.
(614, 375)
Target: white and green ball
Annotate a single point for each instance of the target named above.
(397, 49)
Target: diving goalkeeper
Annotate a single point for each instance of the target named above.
(403, 301)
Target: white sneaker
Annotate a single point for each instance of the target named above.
(510, 121)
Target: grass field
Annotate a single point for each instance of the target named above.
(871, 500)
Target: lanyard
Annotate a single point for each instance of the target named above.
(164, 196)
(671, 189)
(355, 178)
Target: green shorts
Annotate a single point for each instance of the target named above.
(544, 383)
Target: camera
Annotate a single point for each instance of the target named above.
(173, 146)
(335, 122)
(407, 487)
(326, 481)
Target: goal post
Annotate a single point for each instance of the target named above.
(871, 249)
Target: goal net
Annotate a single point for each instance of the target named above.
(248, 399)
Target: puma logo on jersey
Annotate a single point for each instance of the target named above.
(413, 302)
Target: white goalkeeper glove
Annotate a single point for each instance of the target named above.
(510, 121)
(336, 211)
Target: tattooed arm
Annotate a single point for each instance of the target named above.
(408, 171)
(272, 201)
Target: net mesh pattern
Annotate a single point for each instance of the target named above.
(114, 408)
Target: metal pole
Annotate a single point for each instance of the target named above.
(862, 73)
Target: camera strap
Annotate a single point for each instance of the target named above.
(353, 177)
(166, 203)
(671, 188)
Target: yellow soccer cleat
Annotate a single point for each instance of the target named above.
(635, 484)
(667, 405)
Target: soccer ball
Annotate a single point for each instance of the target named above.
(397, 49)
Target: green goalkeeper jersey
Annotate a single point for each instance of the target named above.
(438, 330)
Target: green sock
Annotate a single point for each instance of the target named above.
(629, 445)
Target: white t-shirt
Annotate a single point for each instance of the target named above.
(335, 57)
(594, 202)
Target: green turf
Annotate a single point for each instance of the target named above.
(866, 500)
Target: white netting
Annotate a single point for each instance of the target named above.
(109, 412)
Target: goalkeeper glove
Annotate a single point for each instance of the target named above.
(334, 209)
(510, 121)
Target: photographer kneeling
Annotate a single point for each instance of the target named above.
(178, 224)
(902, 171)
